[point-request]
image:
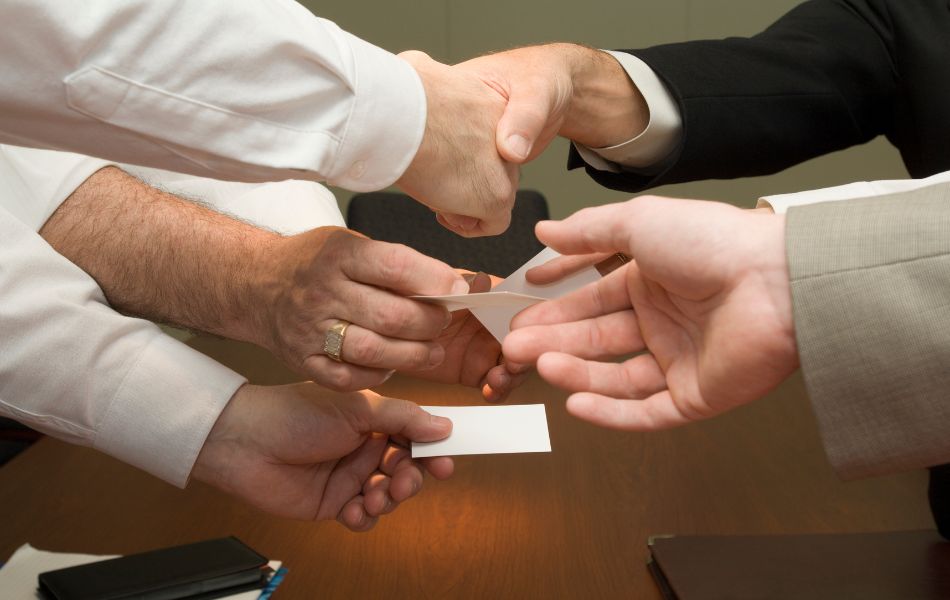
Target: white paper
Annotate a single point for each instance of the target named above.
(497, 319)
(18, 577)
(489, 430)
(496, 309)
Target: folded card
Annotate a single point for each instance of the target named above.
(496, 309)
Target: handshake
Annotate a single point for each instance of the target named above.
(490, 114)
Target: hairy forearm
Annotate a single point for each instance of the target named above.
(163, 258)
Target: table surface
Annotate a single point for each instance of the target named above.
(569, 524)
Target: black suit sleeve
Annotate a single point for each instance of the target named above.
(820, 79)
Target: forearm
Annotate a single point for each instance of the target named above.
(606, 108)
(160, 257)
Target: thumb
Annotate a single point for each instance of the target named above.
(403, 418)
(530, 109)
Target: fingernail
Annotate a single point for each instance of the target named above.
(504, 380)
(448, 320)
(388, 375)
(440, 422)
(436, 356)
(460, 287)
(519, 145)
(416, 486)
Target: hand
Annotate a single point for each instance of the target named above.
(302, 452)
(560, 89)
(457, 171)
(309, 281)
(473, 356)
(707, 297)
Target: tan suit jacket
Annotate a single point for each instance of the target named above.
(870, 283)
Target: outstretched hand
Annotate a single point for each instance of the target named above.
(705, 303)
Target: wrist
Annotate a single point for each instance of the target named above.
(256, 283)
(606, 107)
(774, 265)
(224, 441)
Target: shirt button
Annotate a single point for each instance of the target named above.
(357, 169)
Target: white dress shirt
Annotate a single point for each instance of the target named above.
(247, 91)
(72, 367)
(254, 91)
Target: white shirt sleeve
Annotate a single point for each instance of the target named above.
(107, 380)
(663, 132)
(780, 203)
(251, 91)
(72, 367)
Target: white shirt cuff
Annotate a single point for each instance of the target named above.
(167, 404)
(780, 203)
(661, 135)
(386, 124)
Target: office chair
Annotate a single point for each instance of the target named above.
(394, 217)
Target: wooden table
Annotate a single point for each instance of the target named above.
(569, 524)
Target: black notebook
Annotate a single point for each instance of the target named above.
(905, 565)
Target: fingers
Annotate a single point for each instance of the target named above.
(562, 266)
(342, 377)
(654, 413)
(354, 516)
(609, 228)
(390, 315)
(457, 223)
(607, 295)
(401, 269)
(367, 348)
(440, 467)
(609, 335)
(638, 377)
(500, 381)
(528, 113)
(400, 417)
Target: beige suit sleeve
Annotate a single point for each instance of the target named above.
(870, 283)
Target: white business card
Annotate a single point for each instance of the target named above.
(489, 430)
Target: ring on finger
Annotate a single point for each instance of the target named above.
(333, 342)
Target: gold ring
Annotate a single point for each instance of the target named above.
(333, 343)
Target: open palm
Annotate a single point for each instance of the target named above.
(705, 304)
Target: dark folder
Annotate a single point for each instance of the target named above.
(905, 565)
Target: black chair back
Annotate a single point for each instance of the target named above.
(394, 217)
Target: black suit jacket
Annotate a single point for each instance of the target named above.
(828, 75)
